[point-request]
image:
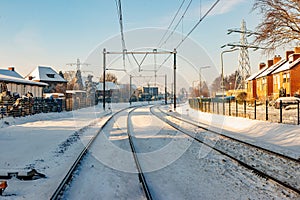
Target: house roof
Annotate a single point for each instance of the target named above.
(7, 72)
(10, 79)
(46, 74)
(108, 86)
(253, 76)
(272, 68)
(286, 66)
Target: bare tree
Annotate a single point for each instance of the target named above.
(110, 78)
(280, 24)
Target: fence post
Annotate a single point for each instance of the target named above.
(223, 106)
(245, 109)
(255, 109)
(267, 114)
(229, 108)
(280, 114)
(236, 108)
(298, 113)
(2, 112)
(217, 107)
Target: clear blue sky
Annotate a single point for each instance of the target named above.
(56, 32)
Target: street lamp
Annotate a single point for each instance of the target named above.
(222, 65)
(200, 84)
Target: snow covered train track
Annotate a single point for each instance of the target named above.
(271, 165)
(141, 175)
(70, 174)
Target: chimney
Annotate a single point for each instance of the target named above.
(297, 49)
(270, 63)
(261, 65)
(296, 56)
(287, 54)
(276, 59)
(11, 69)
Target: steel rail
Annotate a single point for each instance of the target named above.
(138, 165)
(68, 177)
(253, 169)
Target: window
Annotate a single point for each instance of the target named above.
(50, 75)
(286, 77)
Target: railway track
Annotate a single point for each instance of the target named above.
(271, 165)
(68, 177)
(136, 159)
(70, 174)
(66, 182)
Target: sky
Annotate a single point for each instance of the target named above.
(57, 32)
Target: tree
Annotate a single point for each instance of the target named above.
(90, 89)
(109, 77)
(280, 24)
(77, 81)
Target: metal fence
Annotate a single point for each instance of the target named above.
(249, 109)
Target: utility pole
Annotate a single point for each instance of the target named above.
(244, 68)
(200, 79)
(104, 69)
(166, 95)
(130, 85)
(174, 78)
(78, 64)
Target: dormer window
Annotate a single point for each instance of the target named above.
(50, 75)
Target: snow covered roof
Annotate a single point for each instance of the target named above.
(253, 76)
(46, 74)
(108, 86)
(75, 91)
(272, 68)
(10, 79)
(11, 73)
(286, 66)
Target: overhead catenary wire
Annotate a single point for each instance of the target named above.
(120, 16)
(171, 23)
(190, 32)
(178, 23)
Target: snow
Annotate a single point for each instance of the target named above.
(40, 74)
(272, 68)
(50, 142)
(108, 86)
(10, 73)
(281, 138)
(11, 79)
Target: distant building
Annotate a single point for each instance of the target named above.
(110, 88)
(15, 83)
(55, 82)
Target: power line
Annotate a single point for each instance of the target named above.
(171, 23)
(190, 32)
(185, 11)
(119, 10)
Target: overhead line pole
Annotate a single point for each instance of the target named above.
(140, 53)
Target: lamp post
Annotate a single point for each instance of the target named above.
(200, 84)
(222, 66)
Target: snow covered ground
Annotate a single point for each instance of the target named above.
(281, 138)
(49, 142)
(172, 164)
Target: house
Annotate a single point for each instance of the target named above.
(264, 81)
(110, 88)
(286, 77)
(56, 83)
(15, 83)
(252, 84)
